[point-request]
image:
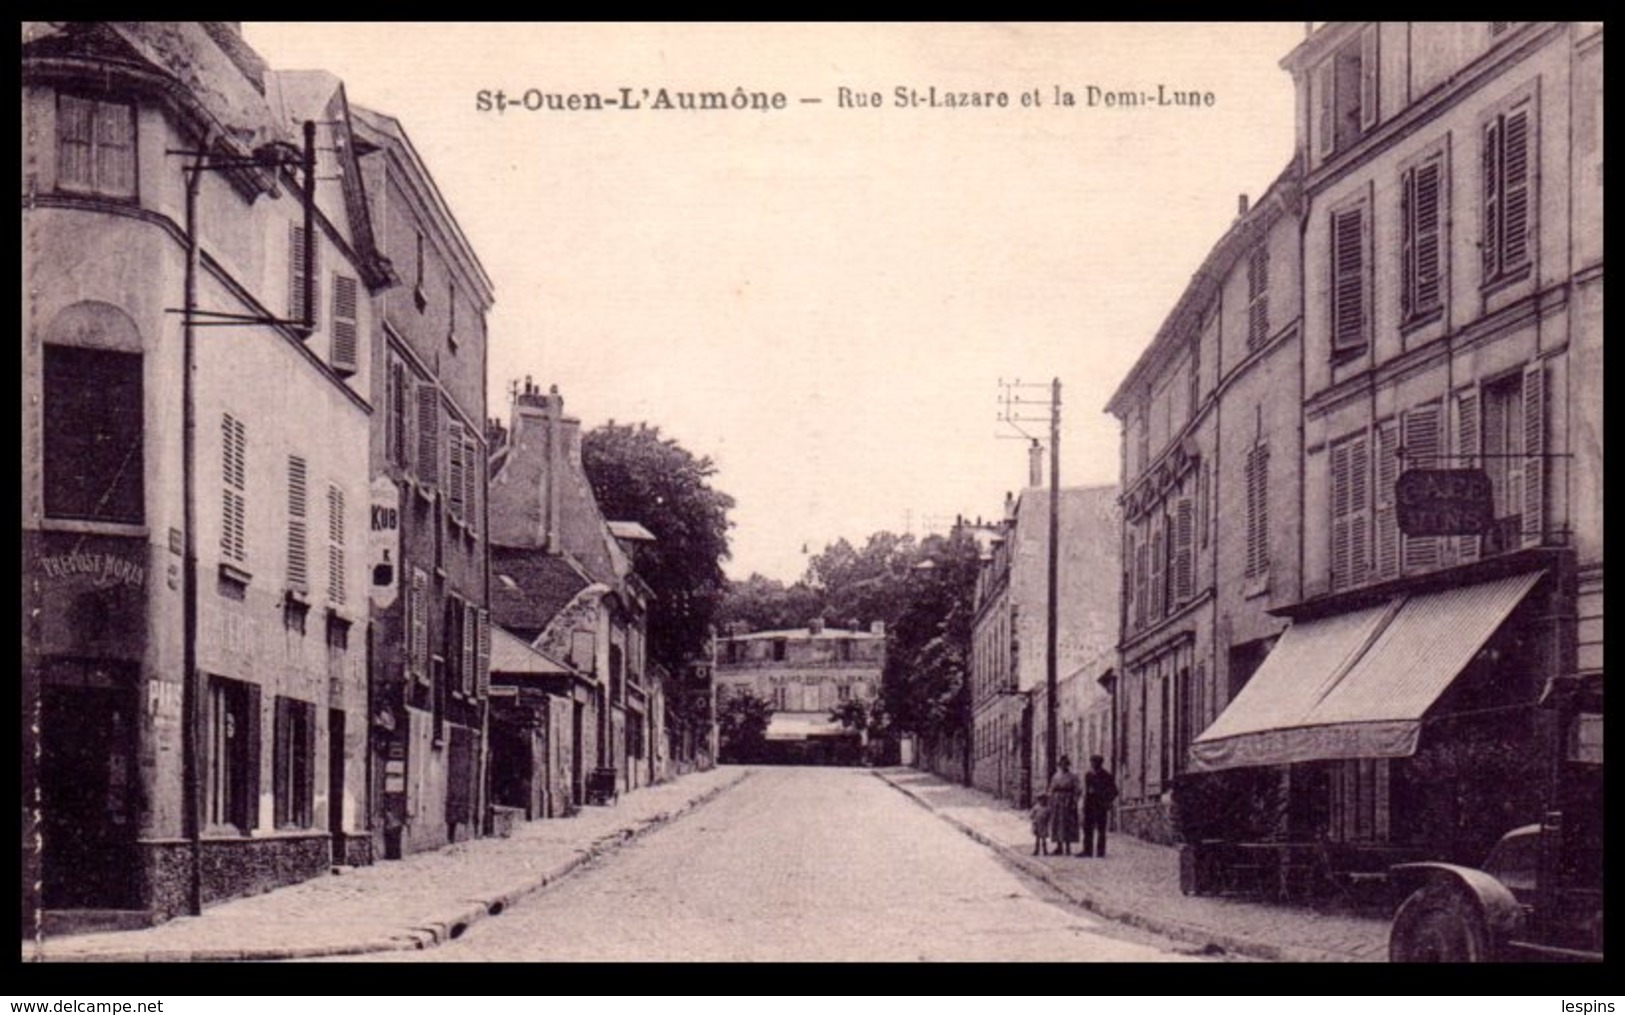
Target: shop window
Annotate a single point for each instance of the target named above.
(93, 435)
(232, 754)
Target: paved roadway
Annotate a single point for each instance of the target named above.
(800, 864)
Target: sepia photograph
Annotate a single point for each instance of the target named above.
(968, 492)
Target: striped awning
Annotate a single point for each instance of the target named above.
(802, 725)
(1356, 685)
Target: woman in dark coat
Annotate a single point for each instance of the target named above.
(1064, 789)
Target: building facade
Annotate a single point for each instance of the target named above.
(1009, 673)
(1209, 507)
(155, 788)
(805, 674)
(1452, 328)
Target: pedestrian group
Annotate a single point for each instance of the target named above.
(1055, 814)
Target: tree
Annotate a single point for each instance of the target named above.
(766, 604)
(638, 475)
(860, 587)
(742, 726)
(928, 645)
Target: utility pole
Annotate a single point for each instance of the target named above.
(1012, 413)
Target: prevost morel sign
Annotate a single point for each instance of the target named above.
(1444, 502)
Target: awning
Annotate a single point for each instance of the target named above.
(512, 656)
(800, 726)
(1357, 685)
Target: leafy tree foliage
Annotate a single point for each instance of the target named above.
(928, 645)
(766, 604)
(742, 726)
(638, 475)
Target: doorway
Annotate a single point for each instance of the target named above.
(335, 783)
(89, 793)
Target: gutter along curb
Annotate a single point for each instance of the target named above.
(1190, 933)
(446, 926)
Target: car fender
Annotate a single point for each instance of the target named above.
(1502, 912)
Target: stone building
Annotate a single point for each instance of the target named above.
(428, 540)
(1210, 510)
(151, 786)
(1452, 327)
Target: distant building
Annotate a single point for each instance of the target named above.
(806, 674)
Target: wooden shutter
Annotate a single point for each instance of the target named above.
(282, 762)
(398, 414)
(1325, 108)
(75, 133)
(297, 269)
(248, 807)
(1142, 579)
(335, 545)
(1341, 535)
(298, 525)
(115, 149)
(234, 475)
(1422, 441)
(469, 677)
(1348, 279)
(428, 433)
(1515, 190)
(1534, 448)
(1468, 443)
(1490, 242)
(1368, 78)
(1420, 198)
(482, 671)
(1257, 478)
(1385, 557)
(473, 460)
(346, 343)
(455, 483)
(1258, 281)
(1130, 599)
(1184, 548)
(1360, 507)
(417, 610)
(1159, 566)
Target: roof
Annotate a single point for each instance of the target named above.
(630, 530)
(801, 725)
(510, 654)
(529, 587)
(806, 634)
(1357, 684)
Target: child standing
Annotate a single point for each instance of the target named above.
(1041, 823)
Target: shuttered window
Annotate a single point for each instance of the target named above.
(335, 546)
(1258, 299)
(473, 461)
(346, 330)
(1386, 556)
(1508, 198)
(483, 666)
(1534, 448)
(234, 489)
(398, 433)
(1159, 567)
(1423, 442)
(1420, 202)
(1184, 569)
(456, 484)
(297, 272)
(1257, 477)
(417, 620)
(1351, 521)
(468, 674)
(428, 433)
(1348, 310)
(95, 146)
(298, 525)
(1468, 445)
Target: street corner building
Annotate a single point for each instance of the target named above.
(1341, 609)
(206, 245)
(806, 674)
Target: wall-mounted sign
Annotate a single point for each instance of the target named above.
(384, 542)
(103, 570)
(1444, 502)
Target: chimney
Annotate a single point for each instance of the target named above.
(539, 422)
(815, 625)
(1241, 206)
(1009, 505)
(1035, 464)
(877, 627)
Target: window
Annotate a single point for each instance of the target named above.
(1385, 554)
(451, 315)
(1258, 517)
(335, 546)
(1347, 87)
(1350, 502)
(1513, 442)
(397, 433)
(1423, 440)
(1194, 396)
(451, 642)
(299, 272)
(482, 673)
(234, 489)
(298, 526)
(1421, 251)
(1159, 567)
(93, 435)
(428, 433)
(1469, 437)
(472, 473)
(1348, 309)
(417, 622)
(1258, 296)
(95, 146)
(456, 484)
(346, 351)
(419, 300)
(232, 754)
(1184, 540)
(779, 646)
(470, 629)
(294, 762)
(1508, 203)
(843, 693)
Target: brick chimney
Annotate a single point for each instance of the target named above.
(1241, 205)
(815, 625)
(1035, 464)
(539, 419)
(877, 627)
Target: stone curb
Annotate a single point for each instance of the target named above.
(1178, 930)
(430, 934)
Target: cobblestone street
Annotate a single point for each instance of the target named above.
(801, 864)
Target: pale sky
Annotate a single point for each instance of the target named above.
(824, 299)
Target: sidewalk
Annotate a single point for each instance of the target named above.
(1138, 884)
(417, 902)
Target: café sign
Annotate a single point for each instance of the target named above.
(104, 570)
(1444, 502)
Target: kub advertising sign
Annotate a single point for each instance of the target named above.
(384, 542)
(1444, 502)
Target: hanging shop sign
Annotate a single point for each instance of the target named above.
(384, 542)
(1444, 502)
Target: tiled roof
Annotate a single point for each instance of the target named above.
(529, 587)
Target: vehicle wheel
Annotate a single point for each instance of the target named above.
(1439, 923)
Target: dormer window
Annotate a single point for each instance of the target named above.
(1346, 94)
